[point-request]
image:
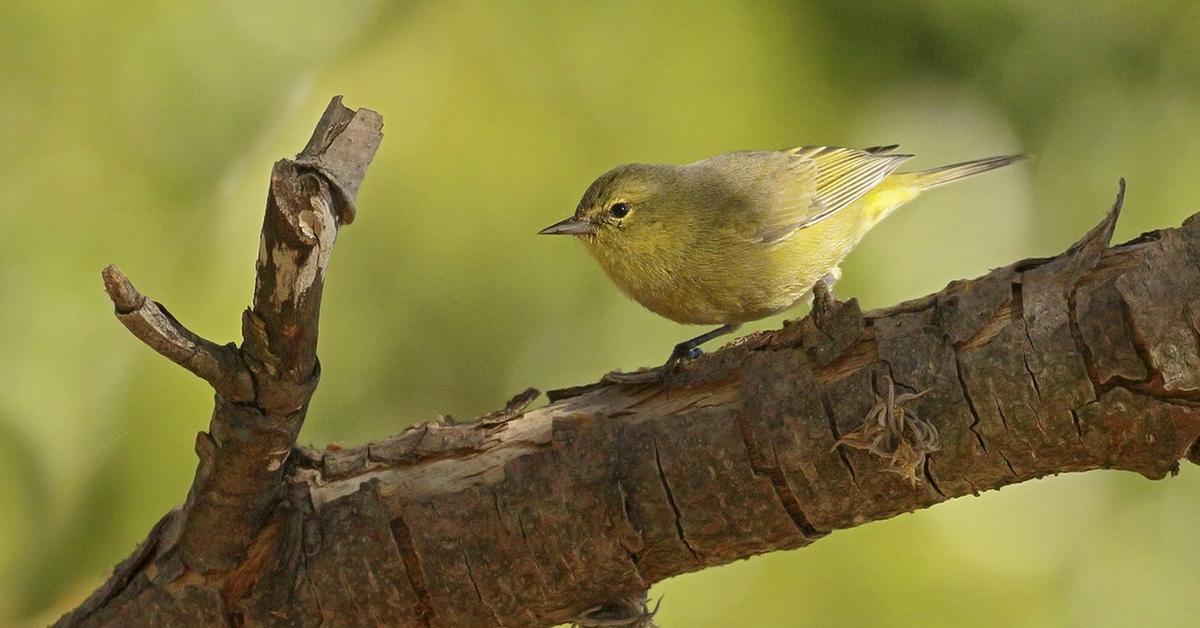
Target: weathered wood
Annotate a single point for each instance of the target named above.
(1087, 360)
(262, 390)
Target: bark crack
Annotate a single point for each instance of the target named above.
(341, 578)
(1000, 412)
(1000, 450)
(778, 479)
(1077, 423)
(827, 407)
(1081, 346)
(634, 554)
(1032, 378)
(475, 585)
(975, 420)
(537, 564)
(662, 478)
(312, 588)
(1018, 297)
(791, 503)
(407, 550)
(1008, 463)
(521, 527)
(928, 471)
(1140, 348)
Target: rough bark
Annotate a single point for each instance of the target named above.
(1087, 360)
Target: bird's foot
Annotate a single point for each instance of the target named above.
(681, 354)
(665, 374)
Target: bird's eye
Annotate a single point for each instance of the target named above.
(619, 210)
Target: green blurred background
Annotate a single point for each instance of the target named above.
(144, 136)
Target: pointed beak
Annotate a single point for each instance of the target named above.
(570, 226)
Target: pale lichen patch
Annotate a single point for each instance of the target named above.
(308, 226)
(286, 273)
(320, 223)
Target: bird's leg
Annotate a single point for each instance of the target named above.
(684, 351)
(832, 277)
(690, 349)
(821, 296)
(822, 291)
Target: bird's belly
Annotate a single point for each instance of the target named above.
(753, 280)
(684, 304)
(736, 287)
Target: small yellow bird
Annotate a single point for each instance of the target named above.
(743, 235)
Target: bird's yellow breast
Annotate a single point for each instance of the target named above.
(721, 277)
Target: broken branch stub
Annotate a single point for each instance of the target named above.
(264, 386)
(310, 198)
(150, 322)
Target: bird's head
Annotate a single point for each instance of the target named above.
(630, 210)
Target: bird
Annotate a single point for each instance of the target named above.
(743, 235)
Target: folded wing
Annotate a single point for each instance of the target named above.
(784, 191)
(843, 175)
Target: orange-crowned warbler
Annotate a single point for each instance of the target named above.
(743, 235)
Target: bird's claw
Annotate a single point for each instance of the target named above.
(682, 353)
(663, 375)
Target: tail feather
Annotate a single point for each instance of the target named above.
(934, 177)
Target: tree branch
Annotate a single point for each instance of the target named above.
(263, 386)
(1087, 360)
(150, 322)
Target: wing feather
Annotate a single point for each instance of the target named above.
(843, 175)
(786, 191)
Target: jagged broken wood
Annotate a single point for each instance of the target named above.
(1087, 360)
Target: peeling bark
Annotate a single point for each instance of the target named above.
(1087, 360)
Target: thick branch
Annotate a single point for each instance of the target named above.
(309, 198)
(241, 458)
(263, 387)
(1087, 360)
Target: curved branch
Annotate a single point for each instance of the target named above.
(220, 366)
(1087, 360)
